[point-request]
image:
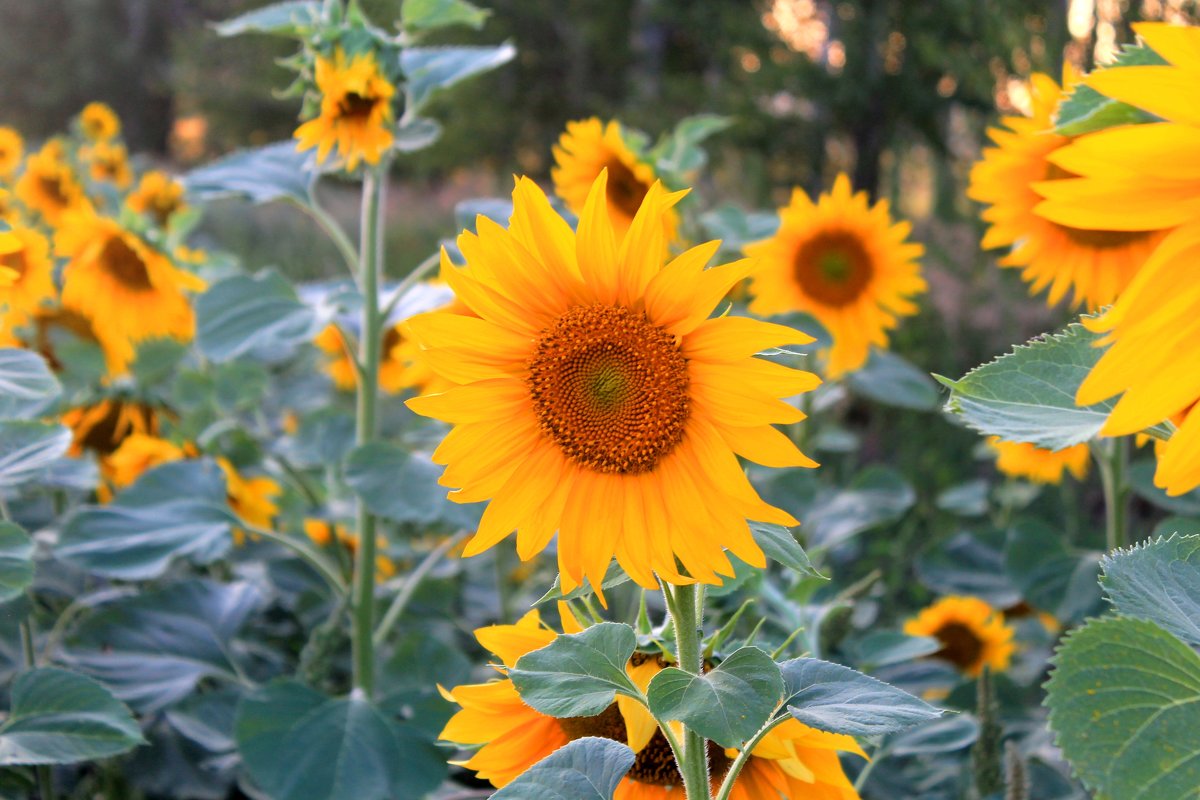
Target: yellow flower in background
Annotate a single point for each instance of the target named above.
(104, 426)
(138, 454)
(792, 761)
(1037, 464)
(973, 634)
(12, 148)
(843, 261)
(108, 162)
(1095, 265)
(99, 122)
(46, 328)
(324, 533)
(25, 254)
(252, 499)
(585, 149)
(49, 187)
(595, 398)
(356, 110)
(393, 372)
(158, 196)
(127, 288)
(8, 208)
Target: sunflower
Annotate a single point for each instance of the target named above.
(843, 261)
(393, 369)
(12, 148)
(99, 122)
(25, 253)
(45, 329)
(9, 212)
(589, 146)
(1037, 464)
(158, 196)
(102, 427)
(791, 761)
(49, 187)
(111, 272)
(356, 110)
(324, 533)
(109, 163)
(973, 634)
(594, 397)
(139, 453)
(251, 499)
(1095, 264)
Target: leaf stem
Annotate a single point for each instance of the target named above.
(410, 280)
(687, 614)
(334, 231)
(400, 603)
(308, 552)
(745, 753)
(1112, 457)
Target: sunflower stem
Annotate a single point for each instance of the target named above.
(1112, 457)
(371, 262)
(687, 615)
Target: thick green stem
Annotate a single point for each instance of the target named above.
(371, 267)
(687, 616)
(1112, 457)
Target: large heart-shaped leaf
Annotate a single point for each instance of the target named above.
(252, 314)
(1158, 581)
(837, 699)
(431, 69)
(586, 769)
(274, 172)
(288, 18)
(26, 382)
(27, 449)
(16, 561)
(577, 675)
(403, 486)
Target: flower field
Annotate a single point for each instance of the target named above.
(630, 489)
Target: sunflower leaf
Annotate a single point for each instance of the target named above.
(425, 15)
(260, 175)
(16, 561)
(586, 769)
(837, 699)
(290, 18)
(1124, 698)
(728, 704)
(577, 675)
(891, 380)
(1085, 110)
(432, 69)
(258, 314)
(780, 545)
(403, 487)
(1158, 581)
(26, 383)
(27, 449)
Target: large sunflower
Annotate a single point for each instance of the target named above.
(843, 261)
(594, 397)
(49, 187)
(585, 149)
(158, 196)
(126, 287)
(1137, 178)
(973, 634)
(27, 256)
(99, 122)
(356, 110)
(12, 147)
(791, 761)
(1094, 264)
(1037, 464)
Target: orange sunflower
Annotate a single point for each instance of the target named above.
(99, 122)
(158, 196)
(27, 258)
(251, 499)
(356, 110)
(1096, 265)
(12, 148)
(1037, 464)
(104, 426)
(108, 162)
(140, 453)
(594, 397)
(49, 187)
(973, 634)
(793, 760)
(843, 261)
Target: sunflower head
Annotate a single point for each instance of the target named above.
(158, 196)
(590, 146)
(108, 162)
(102, 427)
(592, 395)
(356, 110)
(794, 760)
(25, 255)
(844, 261)
(252, 499)
(12, 148)
(99, 122)
(1037, 464)
(139, 453)
(49, 187)
(973, 634)
(396, 370)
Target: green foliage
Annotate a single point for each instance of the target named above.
(27, 449)
(403, 487)
(577, 675)
(426, 15)
(291, 18)
(585, 769)
(1085, 110)
(60, 717)
(876, 496)
(837, 699)
(727, 704)
(1124, 698)
(1049, 575)
(778, 543)
(889, 379)
(1158, 581)
(880, 648)
(261, 175)
(945, 735)
(678, 153)
(25, 383)
(257, 315)
(432, 69)
(16, 561)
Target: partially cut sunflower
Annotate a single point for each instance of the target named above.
(158, 196)
(394, 372)
(595, 398)
(587, 148)
(792, 761)
(1037, 464)
(49, 187)
(99, 122)
(139, 453)
(25, 254)
(1095, 265)
(842, 260)
(103, 427)
(12, 148)
(251, 499)
(129, 289)
(356, 110)
(973, 634)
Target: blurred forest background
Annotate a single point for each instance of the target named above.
(896, 92)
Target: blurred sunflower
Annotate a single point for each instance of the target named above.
(1037, 464)
(356, 110)
(139, 453)
(843, 261)
(585, 149)
(251, 499)
(595, 398)
(1096, 265)
(108, 162)
(99, 122)
(393, 370)
(25, 254)
(49, 187)
(12, 148)
(126, 287)
(324, 533)
(8, 208)
(973, 634)
(158, 196)
(103, 427)
(46, 329)
(791, 761)
(1139, 178)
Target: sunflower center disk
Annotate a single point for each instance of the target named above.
(1098, 240)
(834, 268)
(610, 388)
(625, 192)
(123, 263)
(960, 645)
(14, 261)
(356, 106)
(52, 188)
